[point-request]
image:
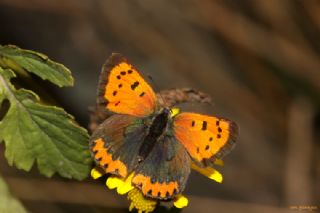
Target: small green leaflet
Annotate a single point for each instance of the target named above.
(45, 134)
(8, 203)
(19, 59)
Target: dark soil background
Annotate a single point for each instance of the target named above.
(259, 61)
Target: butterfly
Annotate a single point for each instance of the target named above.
(149, 140)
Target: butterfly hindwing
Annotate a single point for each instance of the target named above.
(115, 144)
(205, 137)
(163, 174)
(123, 90)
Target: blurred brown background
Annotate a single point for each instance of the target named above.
(258, 59)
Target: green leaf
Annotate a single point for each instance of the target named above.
(45, 134)
(8, 203)
(6, 74)
(19, 60)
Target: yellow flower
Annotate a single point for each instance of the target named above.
(209, 172)
(219, 162)
(96, 173)
(144, 204)
(140, 202)
(180, 201)
(174, 112)
(122, 185)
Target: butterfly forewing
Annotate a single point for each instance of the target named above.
(123, 90)
(205, 137)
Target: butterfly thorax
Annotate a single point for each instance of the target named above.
(156, 130)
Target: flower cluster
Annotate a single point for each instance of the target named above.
(144, 204)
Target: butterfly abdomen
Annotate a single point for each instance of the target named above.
(157, 128)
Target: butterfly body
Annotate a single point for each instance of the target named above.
(157, 130)
(149, 140)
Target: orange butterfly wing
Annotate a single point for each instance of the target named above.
(122, 89)
(205, 137)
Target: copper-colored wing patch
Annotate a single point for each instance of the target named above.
(159, 190)
(204, 137)
(123, 90)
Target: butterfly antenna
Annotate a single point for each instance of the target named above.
(157, 88)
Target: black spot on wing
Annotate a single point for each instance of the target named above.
(204, 125)
(192, 123)
(142, 94)
(134, 85)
